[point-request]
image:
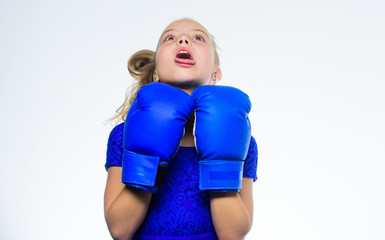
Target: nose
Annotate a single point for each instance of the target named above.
(183, 40)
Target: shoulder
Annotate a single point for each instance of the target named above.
(251, 161)
(253, 148)
(115, 146)
(116, 135)
(117, 131)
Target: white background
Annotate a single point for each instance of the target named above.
(313, 69)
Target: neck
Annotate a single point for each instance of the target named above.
(187, 87)
(188, 138)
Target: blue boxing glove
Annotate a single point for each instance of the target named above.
(153, 130)
(222, 136)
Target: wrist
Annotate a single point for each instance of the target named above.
(214, 194)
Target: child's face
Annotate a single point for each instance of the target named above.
(185, 55)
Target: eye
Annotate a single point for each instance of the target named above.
(169, 38)
(199, 37)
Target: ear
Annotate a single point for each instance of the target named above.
(155, 77)
(216, 76)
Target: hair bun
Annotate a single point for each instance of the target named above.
(141, 63)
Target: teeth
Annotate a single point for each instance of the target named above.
(182, 52)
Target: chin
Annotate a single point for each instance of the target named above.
(181, 81)
(184, 84)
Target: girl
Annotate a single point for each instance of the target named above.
(186, 58)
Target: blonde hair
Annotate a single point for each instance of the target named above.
(141, 67)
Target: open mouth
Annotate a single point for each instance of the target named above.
(184, 58)
(184, 55)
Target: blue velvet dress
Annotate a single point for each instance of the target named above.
(179, 210)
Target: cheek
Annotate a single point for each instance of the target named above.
(159, 57)
(209, 57)
(208, 54)
(163, 58)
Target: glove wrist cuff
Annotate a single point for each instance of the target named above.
(221, 175)
(142, 171)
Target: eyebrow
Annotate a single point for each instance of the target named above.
(199, 30)
(195, 29)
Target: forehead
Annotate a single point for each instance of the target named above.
(185, 25)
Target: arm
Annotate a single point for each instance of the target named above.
(159, 112)
(232, 212)
(124, 207)
(222, 137)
